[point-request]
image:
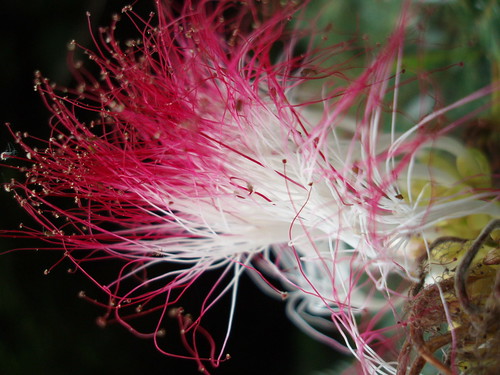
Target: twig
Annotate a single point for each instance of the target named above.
(462, 271)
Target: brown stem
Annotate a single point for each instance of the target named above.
(462, 271)
(426, 352)
(445, 239)
(404, 357)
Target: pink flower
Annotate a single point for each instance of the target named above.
(216, 143)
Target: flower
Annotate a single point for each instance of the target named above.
(224, 139)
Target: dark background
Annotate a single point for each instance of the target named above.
(44, 327)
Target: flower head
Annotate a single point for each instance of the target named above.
(225, 139)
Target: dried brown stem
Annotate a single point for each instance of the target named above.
(404, 357)
(426, 351)
(462, 271)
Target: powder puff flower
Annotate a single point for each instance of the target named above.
(225, 138)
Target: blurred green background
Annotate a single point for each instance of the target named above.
(44, 327)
